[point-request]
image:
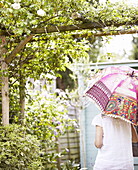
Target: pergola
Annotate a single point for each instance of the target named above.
(85, 25)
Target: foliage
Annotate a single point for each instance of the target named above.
(51, 53)
(18, 150)
(38, 13)
(70, 165)
(47, 118)
(47, 114)
(14, 102)
(48, 52)
(47, 56)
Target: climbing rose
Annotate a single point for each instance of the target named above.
(41, 12)
(16, 6)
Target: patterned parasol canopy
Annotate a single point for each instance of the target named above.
(115, 91)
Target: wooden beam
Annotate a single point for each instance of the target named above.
(89, 25)
(4, 82)
(51, 29)
(18, 48)
(117, 32)
(109, 33)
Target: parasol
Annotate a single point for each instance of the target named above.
(115, 91)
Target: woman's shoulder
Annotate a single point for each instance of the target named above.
(97, 120)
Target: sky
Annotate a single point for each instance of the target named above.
(120, 44)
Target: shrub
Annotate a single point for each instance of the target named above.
(18, 150)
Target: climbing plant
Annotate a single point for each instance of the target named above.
(39, 18)
(32, 21)
(20, 17)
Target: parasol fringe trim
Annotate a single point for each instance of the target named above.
(116, 116)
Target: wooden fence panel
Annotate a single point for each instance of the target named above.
(70, 141)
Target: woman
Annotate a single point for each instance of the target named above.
(113, 139)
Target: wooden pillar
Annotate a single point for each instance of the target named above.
(22, 96)
(22, 102)
(58, 158)
(5, 94)
(4, 82)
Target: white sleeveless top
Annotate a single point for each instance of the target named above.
(116, 152)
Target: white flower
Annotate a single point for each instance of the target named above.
(16, 6)
(50, 76)
(41, 12)
(60, 108)
(57, 90)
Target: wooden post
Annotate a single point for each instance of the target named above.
(22, 101)
(5, 60)
(22, 95)
(58, 158)
(5, 94)
(4, 83)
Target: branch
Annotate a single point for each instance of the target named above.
(18, 48)
(44, 22)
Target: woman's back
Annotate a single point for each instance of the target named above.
(116, 152)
